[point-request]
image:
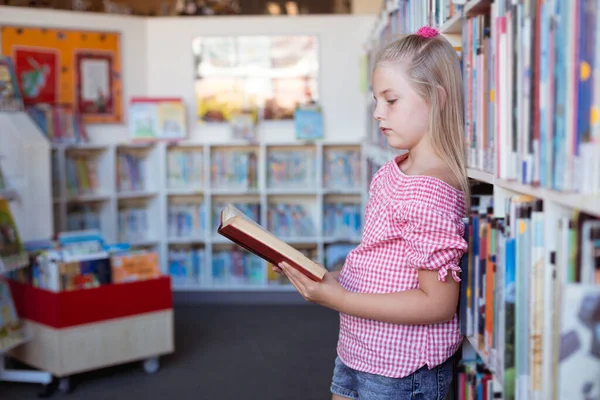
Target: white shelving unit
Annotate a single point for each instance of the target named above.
(25, 161)
(168, 188)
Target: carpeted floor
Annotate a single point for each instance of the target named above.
(222, 353)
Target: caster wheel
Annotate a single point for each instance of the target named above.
(151, 365)
(64, 385)
(49, 389)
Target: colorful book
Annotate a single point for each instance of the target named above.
(237, 227)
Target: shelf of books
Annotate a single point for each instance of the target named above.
(309, 194)
(531, 306)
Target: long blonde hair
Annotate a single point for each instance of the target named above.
(431, 63)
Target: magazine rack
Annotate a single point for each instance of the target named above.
(26, 165)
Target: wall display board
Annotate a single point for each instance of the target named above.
(81, 69)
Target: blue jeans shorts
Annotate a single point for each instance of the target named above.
(425, 383)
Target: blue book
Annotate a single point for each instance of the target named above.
(308, 123)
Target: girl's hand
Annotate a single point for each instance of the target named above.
(334, 274)
(328, 293)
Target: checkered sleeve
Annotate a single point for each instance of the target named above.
(434, 238)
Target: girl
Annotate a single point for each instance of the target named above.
(398, 324)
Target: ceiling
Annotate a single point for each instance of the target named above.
(193, 7)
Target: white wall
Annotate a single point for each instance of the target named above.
(170, 67)
(157, 60)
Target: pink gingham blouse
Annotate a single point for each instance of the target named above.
(411, 222)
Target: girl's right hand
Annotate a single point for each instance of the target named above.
(335, 274)
(275, 268)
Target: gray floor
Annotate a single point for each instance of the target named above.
(224, 352)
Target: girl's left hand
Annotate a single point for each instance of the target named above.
(328, 293)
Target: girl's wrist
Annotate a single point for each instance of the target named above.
(340, 300)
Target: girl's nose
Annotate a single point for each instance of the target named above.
(377, 114)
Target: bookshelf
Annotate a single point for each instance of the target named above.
(175, 212)
(537, 170)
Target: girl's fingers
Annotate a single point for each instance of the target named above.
(288, 270)
(277, 269)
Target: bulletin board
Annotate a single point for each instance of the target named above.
(75, 68)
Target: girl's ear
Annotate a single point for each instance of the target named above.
(442, 97)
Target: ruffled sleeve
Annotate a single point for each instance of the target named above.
(434, 238)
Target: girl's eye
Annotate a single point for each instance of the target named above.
(390, 102)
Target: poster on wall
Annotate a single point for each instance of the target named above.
(37, 73)
(157, 119)
(76, 68)
(94, 82)
(274, 74)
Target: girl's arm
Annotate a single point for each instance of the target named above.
(433, 302)
(336, 274)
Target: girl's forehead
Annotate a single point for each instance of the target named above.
(389, 75)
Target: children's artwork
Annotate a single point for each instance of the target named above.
(10, 95)
(274, 74)
(37, 71)
(244, 125)
(157, 119)
(94, 82)
(309, 123)
(80, 69)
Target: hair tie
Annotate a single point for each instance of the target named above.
(427, 32)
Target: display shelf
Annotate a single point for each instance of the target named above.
(452, 25)
(25, 157)
(481, 176)
(587, 203)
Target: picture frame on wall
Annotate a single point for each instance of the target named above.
(154, 119)
(76, 68)
(94, 94)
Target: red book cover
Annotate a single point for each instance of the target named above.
(261, 249)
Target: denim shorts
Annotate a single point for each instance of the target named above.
(425, 383)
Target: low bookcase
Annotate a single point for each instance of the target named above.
(82, 330)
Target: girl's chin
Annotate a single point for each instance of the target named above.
(396, 143)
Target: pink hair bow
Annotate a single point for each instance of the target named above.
(427, 32)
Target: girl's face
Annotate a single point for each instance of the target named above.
(402, 114)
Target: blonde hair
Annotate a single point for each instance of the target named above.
(431, 64)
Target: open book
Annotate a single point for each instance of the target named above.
(240, 229)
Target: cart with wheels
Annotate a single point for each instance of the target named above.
(83, 330)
